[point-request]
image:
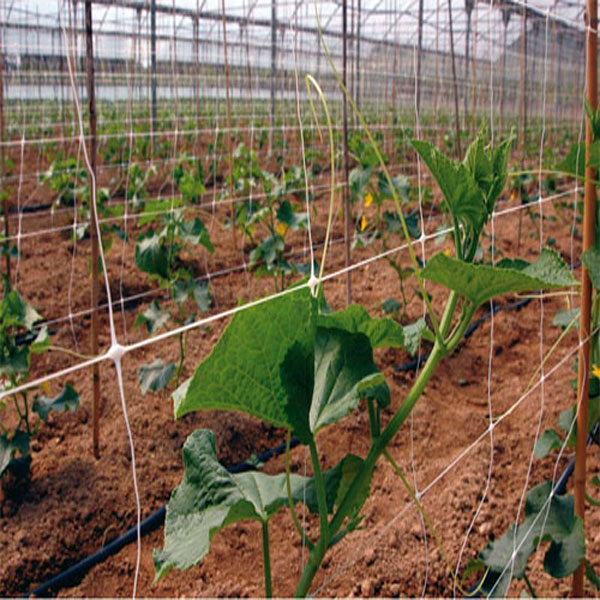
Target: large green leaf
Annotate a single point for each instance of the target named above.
(281, 363)
(18, 443)
(14, 311)
(591, 260)
(479, 283)
(488, 167)
(414, 333)
(463, 197)
(151, 256)
(155, 376)
(574, 162)
(67, 400)
(194, 233)
(555, 522)
(14, 360)
(210, 498)
(154, 317)
(344, 373)
(243, 371)
(382, 333)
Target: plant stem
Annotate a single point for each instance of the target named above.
(267, 559)
(181, 356)
(321, 495)
(288, 485)
(378, 445)
(529, 586)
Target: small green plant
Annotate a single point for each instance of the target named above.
(20, 340)
(160, 254)
(295, 364)
(67, 178)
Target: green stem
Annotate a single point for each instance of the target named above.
(373, 420)
(529, 586)
(288, 485)
(181, 356)
(321, 495)
(378, 445)
(267, 559)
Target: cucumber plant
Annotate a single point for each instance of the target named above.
(297, 365)
(20, 340)
(159, 254)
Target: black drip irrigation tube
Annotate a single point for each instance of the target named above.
(75, 573)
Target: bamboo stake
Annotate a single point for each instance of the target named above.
(91, 93)
(589, 222)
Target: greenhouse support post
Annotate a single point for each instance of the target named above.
(419, 60)
(228, 116)
(273, 73)
(3, 162)
(357, 97)
(455, 85)
(153, 72)
(589, 223)
(91, 93)
(346, 189)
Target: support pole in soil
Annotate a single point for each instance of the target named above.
(453, 60)
(589, 222)
(153, 72)
(419, 59)
(91, 94)
(228, 115)
(505, 21)
(357, 98)
(469, 4)
(346, 193)
(3, 166)
(273, 73)
(523, 85)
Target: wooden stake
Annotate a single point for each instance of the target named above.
(91, 93)
(589, 222)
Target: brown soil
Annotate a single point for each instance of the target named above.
(75, 503)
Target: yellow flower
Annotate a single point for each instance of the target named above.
(363, 223)
(596, 371)
(447, 252)
(513, 195)
(46, 387)
(281, 228)
(368, 199)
